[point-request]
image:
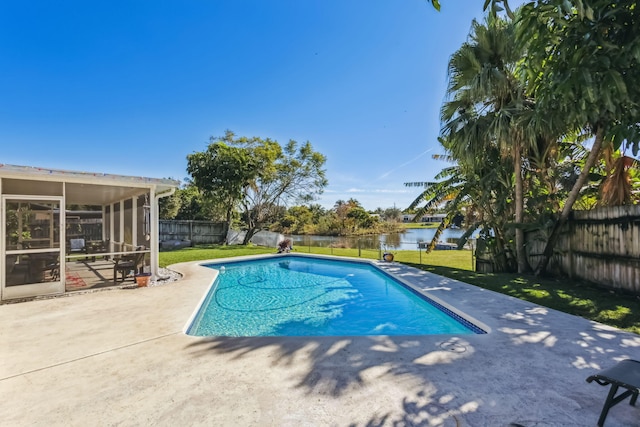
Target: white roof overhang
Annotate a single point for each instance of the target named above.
(87, 188)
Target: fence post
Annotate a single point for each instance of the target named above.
(190, 230)
(570, 252)
(359, 249)
(473, 266)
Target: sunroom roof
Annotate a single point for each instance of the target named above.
(88, 188)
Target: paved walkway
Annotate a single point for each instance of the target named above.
(120, 357)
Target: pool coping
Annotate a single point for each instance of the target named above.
(120, 358)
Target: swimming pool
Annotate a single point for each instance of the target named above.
(303, 296)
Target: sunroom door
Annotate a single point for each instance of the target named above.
(31, 246)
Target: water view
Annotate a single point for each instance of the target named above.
(407, 240)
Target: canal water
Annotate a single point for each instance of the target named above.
(407, 240)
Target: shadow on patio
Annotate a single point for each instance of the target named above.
(530, 371)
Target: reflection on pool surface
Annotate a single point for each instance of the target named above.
(304, 296)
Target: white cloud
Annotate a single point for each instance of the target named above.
(387, 191)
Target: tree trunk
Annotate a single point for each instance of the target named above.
(229, 224)
(521, 256)
(501, 260)
(251, 225)
(571, 199)
(250, 233)
(438, 233)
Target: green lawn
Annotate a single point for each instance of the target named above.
(420, 224)
(580, 299)
(209, 252)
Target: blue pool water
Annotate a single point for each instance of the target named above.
(302, 296)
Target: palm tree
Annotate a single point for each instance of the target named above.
(616, 188)
(488, 107)
(479, 190)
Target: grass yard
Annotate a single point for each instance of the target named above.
(209, 252)
(580, 299)
(420, 224)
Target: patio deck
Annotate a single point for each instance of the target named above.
(82, 275)
(119, 357)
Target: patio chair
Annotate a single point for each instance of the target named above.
(98, 247)
(127, 263)
(625, 374)
(76, 245)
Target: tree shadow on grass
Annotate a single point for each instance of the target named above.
(578, 298)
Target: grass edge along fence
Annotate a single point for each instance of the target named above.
(574, 297)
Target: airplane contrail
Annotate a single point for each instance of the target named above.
(386, 174)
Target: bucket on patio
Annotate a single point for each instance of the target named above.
(142, 279)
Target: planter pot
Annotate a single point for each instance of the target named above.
(387, 257)
(142, 279)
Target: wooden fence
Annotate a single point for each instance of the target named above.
(600, 245)
(197, 232)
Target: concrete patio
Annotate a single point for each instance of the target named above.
(120, 357)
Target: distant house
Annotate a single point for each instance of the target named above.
(426, 218)
(407, 217)
(433, 218)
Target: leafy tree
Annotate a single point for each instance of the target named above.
(189, 203)
(168, 206)
(192, 204)
(359, 218)
(258, 176)
(296, 220)
(392, 214)
(341, 209)
(224, 172)
(289, 174)
(317, 211)
(494, 6)
(195, 205)
(583, 65)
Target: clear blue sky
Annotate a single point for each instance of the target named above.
(132, 87)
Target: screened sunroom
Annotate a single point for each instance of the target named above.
(65, 231)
